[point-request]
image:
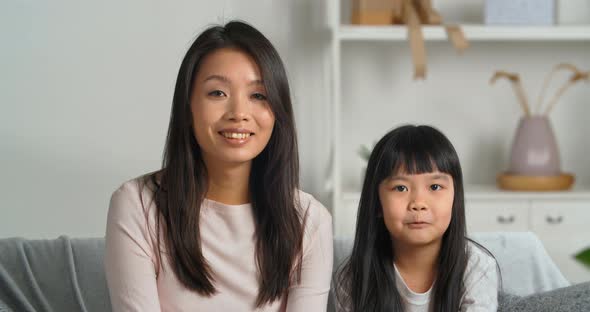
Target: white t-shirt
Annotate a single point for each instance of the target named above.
(481, 286)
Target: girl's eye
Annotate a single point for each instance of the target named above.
(259, 96)
(216, 93)
(435, 187)
(400, 188)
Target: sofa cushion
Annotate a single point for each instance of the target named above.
(68, 274)
(4, 307)
(53, 275)
(574, 298)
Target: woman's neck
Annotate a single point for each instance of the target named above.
(229, 183)
(417, 265)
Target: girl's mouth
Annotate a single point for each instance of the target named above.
(417, 225)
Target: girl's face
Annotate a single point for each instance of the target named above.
(417, 208)
(232, 119)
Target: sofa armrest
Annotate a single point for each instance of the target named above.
(525, 265)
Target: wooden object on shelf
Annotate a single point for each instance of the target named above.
(513, 182)
(372, 12)
(414, 14)
(371, 17)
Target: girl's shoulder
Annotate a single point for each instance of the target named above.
(481, 280)
(480, 260)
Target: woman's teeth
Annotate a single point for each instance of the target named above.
(234, 135)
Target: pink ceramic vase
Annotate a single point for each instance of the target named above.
(534, 149)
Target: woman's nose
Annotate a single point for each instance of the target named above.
(238, 109)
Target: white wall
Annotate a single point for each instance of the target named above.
(86, 95)
(86, 88)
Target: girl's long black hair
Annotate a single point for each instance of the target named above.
(366, 281)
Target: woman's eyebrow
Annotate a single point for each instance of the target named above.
(217, 77)
(227, 81)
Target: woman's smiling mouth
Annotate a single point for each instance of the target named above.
(236, 136)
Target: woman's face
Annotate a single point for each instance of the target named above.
(417, 208)
(232, 119)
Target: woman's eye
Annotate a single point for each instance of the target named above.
(259, 96)
(400, 188)
(216, 93)
(435, 187)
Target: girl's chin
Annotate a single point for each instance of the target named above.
(417, 239)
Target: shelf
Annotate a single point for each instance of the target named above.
(488, 192)
(472, 33)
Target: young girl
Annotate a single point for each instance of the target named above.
(410, 251)
(222, 226)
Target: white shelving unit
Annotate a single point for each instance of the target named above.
(524, 211)
(473, 32)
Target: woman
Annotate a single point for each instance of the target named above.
(223, 226)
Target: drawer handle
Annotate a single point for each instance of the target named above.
(504, 220)
(552, 220)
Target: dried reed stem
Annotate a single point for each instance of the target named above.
(577, 75)
(517, 86)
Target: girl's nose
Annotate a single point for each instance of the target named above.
(417, 206)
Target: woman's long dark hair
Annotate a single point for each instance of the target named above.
(366, 281)
(181, 185)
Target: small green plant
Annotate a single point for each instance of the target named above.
(584, 257)
(365, 152)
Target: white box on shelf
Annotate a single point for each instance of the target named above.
(520, 12)
(573, 12)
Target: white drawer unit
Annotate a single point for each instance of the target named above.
(560, 219)
(564, 228)
(497, 215)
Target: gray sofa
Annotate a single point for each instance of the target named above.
(66, 274)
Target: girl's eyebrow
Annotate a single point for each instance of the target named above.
(398, 177)
(433, 177)
(440, 177)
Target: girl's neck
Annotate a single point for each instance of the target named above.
(229, 184)
(417, 265)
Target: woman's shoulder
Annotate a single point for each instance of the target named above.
(133, 197)
(317, 233)
(316, 219)
(312, 211)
